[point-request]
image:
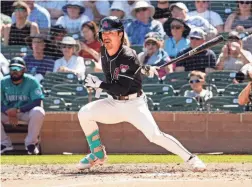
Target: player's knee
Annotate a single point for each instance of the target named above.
(37, 111)
(155, 137)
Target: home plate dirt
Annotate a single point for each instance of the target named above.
(122, 175)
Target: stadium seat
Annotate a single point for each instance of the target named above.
(220, 78)
(54, 104)
(178, 103)
(234, 89)
(223, 104)
(90, 65)
(137, 48)
(68, 91)
(210, 87)
(147, 80)
(12, 51)
(177, 79)
(151, 104)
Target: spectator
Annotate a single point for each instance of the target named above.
(117, 10)
(197, 80)
(212, 17)
(21, 100)
(244, 74)
(15, 34)
(179, 10)
(233, 56)
(38, 64)
(53, 7)
(57, 33)
(38, 15)
(154, 55)
(70, 62)
(162, 11)
(247, 43)
(241, 20)
(203, 61)
(91, 46)
(4, 66)
(245, 97)
(6, 7)
(73, 18)
(96, 10)
(177, 30)
(144, 23)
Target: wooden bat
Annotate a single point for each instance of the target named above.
(196, 50)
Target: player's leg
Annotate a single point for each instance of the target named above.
(97, 111)
(6, 144)
(35, 118)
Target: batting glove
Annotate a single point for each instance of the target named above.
(92, 81)
(149, 71)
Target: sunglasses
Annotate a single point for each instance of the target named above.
(177, 27)
(245, 2)
(16, 68)
(67, 46)
(115, 9)
(194, 81)
(193, 38)
(141, 9)
(20, 9)
(151, 43)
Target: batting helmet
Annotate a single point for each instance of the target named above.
(110, 23)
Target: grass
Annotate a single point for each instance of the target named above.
(119, 159)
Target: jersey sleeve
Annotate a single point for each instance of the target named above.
(35, 90)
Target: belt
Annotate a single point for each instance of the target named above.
(128, 97)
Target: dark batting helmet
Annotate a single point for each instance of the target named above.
(110, 23)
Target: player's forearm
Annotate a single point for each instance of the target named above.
(243, 98)
(30, 106)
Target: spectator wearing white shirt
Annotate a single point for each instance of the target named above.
(4, 66)
(212, 17)
(53, 7)
(73, 18)
(70, 62)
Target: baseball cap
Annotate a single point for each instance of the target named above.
(17, 63)
(155, 36)
(180, 5)
(197, 33)
(234, 34)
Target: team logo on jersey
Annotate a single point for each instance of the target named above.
(116, 73)
(124, 68)
(38, 92)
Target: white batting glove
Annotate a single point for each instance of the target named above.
(149, 71)
(92, 81)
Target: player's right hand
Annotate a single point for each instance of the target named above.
(92, 81)
(150, 71)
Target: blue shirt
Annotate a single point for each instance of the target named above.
(38, 15)
(137, 30)
(38, 66)
(173, 49)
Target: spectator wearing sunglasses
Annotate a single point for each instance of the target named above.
(162, 11)
(233, 56)
(204, 61)
(15, 34)
(178, 31)
(241, 20)
(70, 62)
(196, 81)
(212, 17)
(153, 53)
(144, 23)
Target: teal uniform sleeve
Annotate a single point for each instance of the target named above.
(36, 91)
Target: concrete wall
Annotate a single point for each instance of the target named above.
(199, 132)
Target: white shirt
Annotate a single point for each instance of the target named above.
(4, 66)
(204, 94)
(72, 25)
(103, 8)
(212, 17)
(75, 63)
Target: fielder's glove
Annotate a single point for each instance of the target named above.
(92, 81)
(149, 71)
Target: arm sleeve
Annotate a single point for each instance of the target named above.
(28, 107)
(56, 66)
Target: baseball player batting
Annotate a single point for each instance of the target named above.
(126, 101)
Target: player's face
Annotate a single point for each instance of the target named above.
(201, 6)
(111, 39)
(16, 73)
(196, 83)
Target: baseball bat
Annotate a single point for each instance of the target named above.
(196, 50)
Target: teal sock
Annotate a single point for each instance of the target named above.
(94, 141)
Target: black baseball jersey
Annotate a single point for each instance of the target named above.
(122, 72)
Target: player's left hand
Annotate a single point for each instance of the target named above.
(92, 81)
(150, 71)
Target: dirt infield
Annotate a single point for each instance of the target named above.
(137, 175)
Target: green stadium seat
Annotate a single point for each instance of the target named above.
(90, 65)
(220, 78)
(12, 51)
(147, 80)
(210, 87)
(223, 104)
(54, 104)
(137, 48)
(179, 103)
(151, 104)
(177, 79)
(68, 91)
(234, 89)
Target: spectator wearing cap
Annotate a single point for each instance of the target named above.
(70, 62)
(178, 31)
(179, 10)
(233, 56)
(162, 11)
(73, 18)
(144, 23)
(212, 17)
(38, 15)
(154, 54)
(38, 64)
(204, 61)
(15, 34)
(53, 7)
(96, 10)
(90, 47)
(21, 99)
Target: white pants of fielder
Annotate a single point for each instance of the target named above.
(134, 111)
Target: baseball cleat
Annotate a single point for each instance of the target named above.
(5, 148)
(196, 164)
